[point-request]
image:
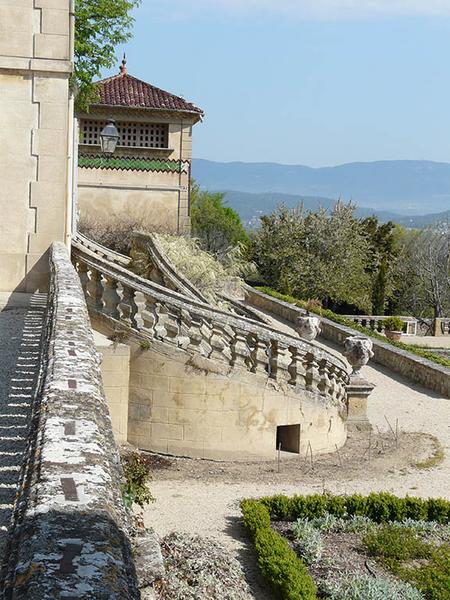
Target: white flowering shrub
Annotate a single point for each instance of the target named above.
(331, 524)
(365, 587)
(308, 540)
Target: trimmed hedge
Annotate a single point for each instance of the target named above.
(280, 565)
(329, 314)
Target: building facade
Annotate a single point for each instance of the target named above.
(148, 176)
(36, 42)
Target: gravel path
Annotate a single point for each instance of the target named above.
(212, 508)
(21, 319)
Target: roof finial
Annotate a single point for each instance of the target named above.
(123, 66)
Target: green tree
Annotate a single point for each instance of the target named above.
(100, 25)
(381, 260)
(315, 255)
(217, 227)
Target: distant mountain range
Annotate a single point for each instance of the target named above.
(252, 206)
(415, 193)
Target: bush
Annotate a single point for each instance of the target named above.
(286, 573)
(137, 475)
(380, 507)
(308, 541)
(393, 324)
(364, 587)
(392, 542)
(114, 232)
(398, 543)
(328, 314)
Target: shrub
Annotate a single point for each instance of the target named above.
(308, 540)
(137, 475)
(364, 587)
(286, 573)
(209, 275)
(393, 324)
(328, 314)
(398, 543)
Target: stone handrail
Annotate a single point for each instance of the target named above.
(110, 255)
(164, 271)
(70, 533)
(155, 312)
(376, 322)
(148, 243)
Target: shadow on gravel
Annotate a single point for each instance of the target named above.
(247, 558)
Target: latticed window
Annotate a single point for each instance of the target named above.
(131, 135)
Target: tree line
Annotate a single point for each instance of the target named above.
(349, 264)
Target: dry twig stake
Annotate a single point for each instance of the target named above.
(396, 433)
(339, 455)
(390, 426)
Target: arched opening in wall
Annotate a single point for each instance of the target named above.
(289, 438)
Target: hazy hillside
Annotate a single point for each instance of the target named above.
(406, 187)
(251, 206)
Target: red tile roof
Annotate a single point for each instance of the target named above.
(125, 90)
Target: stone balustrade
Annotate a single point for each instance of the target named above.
(375, 323)
(157, 313)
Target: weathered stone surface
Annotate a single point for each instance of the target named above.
(70, 535)
(308, 327)
(358, 351)
(148, 559)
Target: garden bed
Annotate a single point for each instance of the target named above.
(352, 548)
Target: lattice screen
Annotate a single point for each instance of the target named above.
(134, 135)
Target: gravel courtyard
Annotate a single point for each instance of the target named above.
(209, 506)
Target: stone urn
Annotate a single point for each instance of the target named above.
(308, 327)
(358, 351)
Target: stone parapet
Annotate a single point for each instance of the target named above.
(70, 533)
(419, 370)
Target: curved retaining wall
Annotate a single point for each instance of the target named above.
(420, 370)
(70, 537)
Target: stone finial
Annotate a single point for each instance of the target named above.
(358, 351)
(123, 66)
(308, 327)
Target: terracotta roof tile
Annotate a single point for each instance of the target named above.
(125, 90)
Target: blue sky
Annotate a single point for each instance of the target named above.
(315, 82)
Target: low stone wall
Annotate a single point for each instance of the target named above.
(420, 370)
(70, 536)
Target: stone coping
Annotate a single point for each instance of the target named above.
(420, 370)
(70, 536)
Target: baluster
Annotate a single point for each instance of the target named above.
(95, 290)
(172, 324)
(324, 384)
(160, 324)
(283, 363)
(297, 370)
(192, 325)
(240, 350)
(82, 271)
(260, 357)
(128, 306)
(312, 372)
(111, 298)
(148, 316)
(220, 345)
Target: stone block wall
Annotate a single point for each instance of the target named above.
(185, 405)
(115, 376)
(35, 113)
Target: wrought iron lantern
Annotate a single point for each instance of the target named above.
(109, 137)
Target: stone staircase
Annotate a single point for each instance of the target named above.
(225, 385)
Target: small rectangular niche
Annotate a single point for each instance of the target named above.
(289, 438)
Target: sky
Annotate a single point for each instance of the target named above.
(313, 82)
